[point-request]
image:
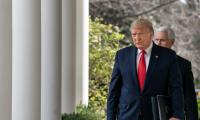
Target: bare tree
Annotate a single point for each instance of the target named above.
(183, 18)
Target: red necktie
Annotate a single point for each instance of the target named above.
(142, 70)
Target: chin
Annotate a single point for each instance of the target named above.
(139, 47)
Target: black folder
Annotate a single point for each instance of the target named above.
(161, 107)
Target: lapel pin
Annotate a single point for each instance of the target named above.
(156, 56)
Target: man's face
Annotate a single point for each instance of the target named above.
(161, 39)
(141, 36)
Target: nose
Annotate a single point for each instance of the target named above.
(137, 36)
(158, 42)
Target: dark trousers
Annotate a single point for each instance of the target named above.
(140, 117)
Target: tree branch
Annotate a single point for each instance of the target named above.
(152, 9)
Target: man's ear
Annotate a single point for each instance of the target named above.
(172, 42)
(152, 35)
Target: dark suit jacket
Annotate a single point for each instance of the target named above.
(126, 102)
(190, 99)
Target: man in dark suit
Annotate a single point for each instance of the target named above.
(165, 37)
(140, 72)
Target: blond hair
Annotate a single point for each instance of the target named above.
(142, 22)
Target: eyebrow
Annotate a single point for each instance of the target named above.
(161, 39)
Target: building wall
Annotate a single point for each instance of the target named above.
(5, 59)
(43, 58)
(68, 55)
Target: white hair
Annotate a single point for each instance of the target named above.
(168, 30)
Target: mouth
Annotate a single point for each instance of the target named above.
(138, 43)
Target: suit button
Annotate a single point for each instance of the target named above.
(140, 113)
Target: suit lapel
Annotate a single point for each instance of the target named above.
(152, 63)
(133, 61)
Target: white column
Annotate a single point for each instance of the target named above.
(5, 59)
(51, 60)
(82, 32)
(26, 61)
(68, 55)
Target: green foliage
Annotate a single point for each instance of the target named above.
(103, 44)
(83, 113)
(198, 102)
(197, 83)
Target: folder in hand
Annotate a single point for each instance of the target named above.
(161, 107)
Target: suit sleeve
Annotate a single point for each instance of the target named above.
(114, 91)
(176, 91)
(190, 95)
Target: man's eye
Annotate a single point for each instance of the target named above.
(134, 34)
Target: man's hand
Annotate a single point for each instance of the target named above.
(173, 118)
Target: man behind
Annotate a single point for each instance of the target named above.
(165, 37)
(140, 72)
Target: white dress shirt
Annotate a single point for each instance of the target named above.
(147, 55)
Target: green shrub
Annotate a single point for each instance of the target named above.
(103, 44)
(83, 113)
(198, 102)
